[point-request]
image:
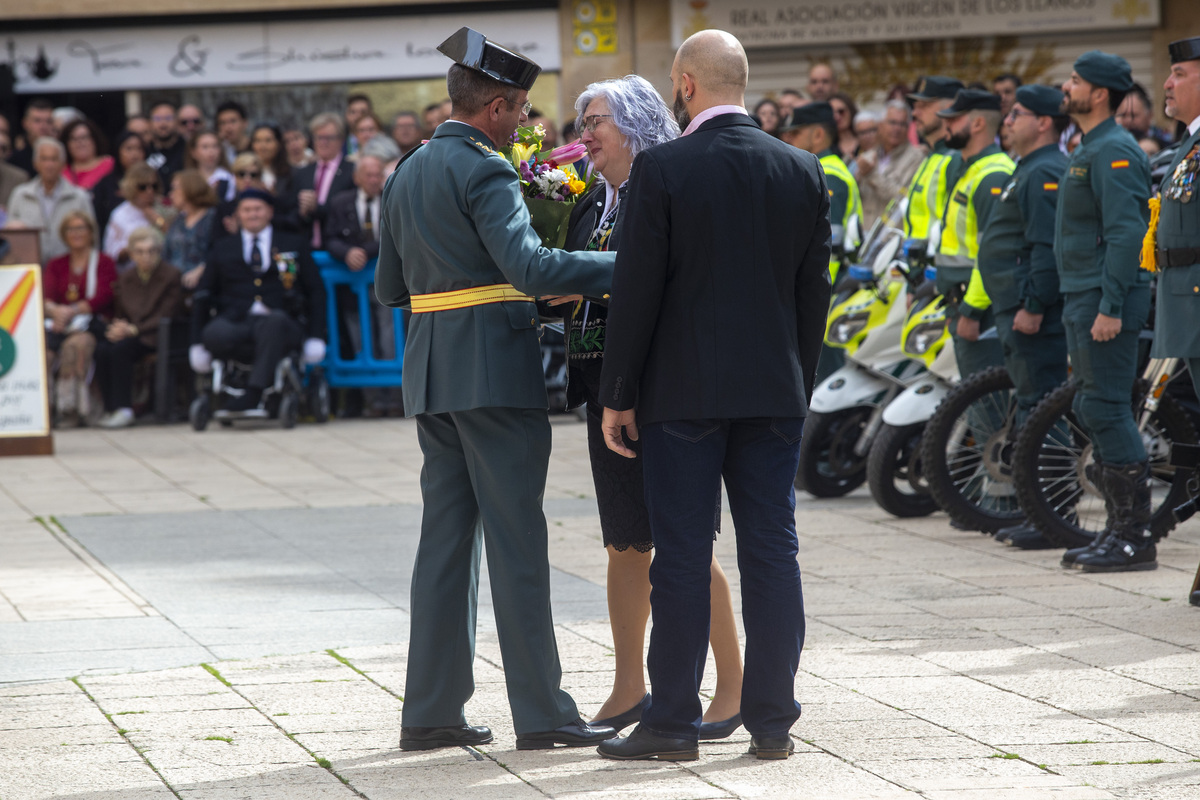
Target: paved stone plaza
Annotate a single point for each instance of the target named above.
(223, 615)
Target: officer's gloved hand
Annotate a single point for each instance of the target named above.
(200, 359)
(314, 351)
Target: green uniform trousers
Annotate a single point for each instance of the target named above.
(1105, 373)
(482, 485)
(1036, 363)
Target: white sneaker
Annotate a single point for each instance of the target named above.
(121, 418)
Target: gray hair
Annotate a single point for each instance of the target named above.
(866, 116)
(145, 233)
(638, 111)
(901, 105)
(50, 141)
(327, 118)
(382, 147)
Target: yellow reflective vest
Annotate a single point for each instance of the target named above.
(844, 202)
(960, 226)
(928, 190)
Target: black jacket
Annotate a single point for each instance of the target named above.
(342, 229)
(287, 208)
(229, 286)
(721, 287)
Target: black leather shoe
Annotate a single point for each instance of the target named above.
(772, 747)
(574, 734)
(1194, 598)
(711, 731)
(1005, 535)
(1031, 539)
(448, 736)
(642, 744)
(622, 721)
(1120, 555)
(958, 526)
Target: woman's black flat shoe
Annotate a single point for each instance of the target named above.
(710, 731)
(630, 717)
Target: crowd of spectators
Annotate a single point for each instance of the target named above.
(169, 181)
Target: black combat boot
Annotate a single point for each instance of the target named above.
(1095, 474)
(1130, 546)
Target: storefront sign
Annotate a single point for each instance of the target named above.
(776, 23)
(263, 53)
(24, 405)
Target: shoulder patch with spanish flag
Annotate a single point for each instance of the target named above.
(1049, 187)
(996, 190)
(1122, 164)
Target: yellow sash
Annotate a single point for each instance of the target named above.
(464, 298)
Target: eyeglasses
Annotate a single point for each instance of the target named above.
(190, 121)
(590, 123)
(1018, 113)
(839, 111)
(248, 174)
(525, 109)
(145, 187)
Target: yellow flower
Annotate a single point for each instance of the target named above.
(522, 152)
(575, 186)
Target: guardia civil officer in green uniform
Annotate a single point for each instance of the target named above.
(937, 174)
(1177, 236)
(457, 248)
(1099, 228)
(971, 126)
(1016, 264)
(813, 128)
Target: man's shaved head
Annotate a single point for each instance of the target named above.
(716, 61)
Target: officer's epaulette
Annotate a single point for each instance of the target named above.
(487, 149)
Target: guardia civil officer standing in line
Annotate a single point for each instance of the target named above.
(1099, 228)
(1016, 264)
(971, 126)
(813, 128)
(931, 184)
(1177, 236)
(457, 248)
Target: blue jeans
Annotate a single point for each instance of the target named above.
(685, 462)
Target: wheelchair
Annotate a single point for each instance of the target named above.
(293, 391)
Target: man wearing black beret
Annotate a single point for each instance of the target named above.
(1016, 263)
(265, 290)
(931, 183)
(1100, 224)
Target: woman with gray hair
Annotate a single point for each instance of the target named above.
(145, 295)
(617, 119)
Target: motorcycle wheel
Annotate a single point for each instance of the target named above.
(967, 452)
(895, 474)
(1056, 493)
(829, 467)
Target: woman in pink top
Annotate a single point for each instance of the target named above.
(86, 162)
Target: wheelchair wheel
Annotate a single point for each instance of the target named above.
(895, 474)
(289, 410)
(318, 398)
(829, 467)
(967, 452)
(199, 413)
(1058, 495)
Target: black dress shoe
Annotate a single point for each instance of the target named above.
(711, 731)
(1194, 598)
(447, 736)
(1005, 535)
(622, 721)
(772, 747)
(1032, 539)
(248, 400)
(642, 744)
(573, 734)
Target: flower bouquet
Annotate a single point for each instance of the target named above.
(549, 182)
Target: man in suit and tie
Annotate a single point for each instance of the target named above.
(265, 291)
(458, 249)
(714, 332)
(312, 185)
(352, 237)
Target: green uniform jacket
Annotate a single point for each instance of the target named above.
(1016, 249)
(1177, 332)
(1102, 216)
(452, 218)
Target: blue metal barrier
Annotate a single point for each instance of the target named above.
(364, 369)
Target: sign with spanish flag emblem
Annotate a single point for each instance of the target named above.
(24, 396)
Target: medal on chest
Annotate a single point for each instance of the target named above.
(1009, 188)
(1182, 186)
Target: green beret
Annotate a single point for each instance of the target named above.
(1045, 101)
(808, 114)
(1105, 70)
